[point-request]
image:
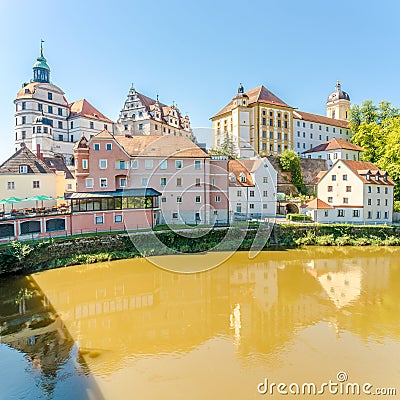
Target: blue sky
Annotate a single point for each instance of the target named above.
(196, 53)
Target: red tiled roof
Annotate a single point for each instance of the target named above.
(320, 119)
(318, 204)
(334, 144)
(259, 94)
(362, 168)
(238, 168)
(318, 177)
(85, 109)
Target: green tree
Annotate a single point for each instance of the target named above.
(289, 161)
(227, 147)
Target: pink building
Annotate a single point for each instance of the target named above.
(193, 187)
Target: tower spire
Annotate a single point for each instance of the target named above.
(41, 47)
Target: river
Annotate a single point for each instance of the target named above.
(132, 330)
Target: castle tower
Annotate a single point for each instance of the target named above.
(338, 104)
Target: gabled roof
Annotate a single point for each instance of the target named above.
(319, 176)
(156, 146)
(238, 168)
(320, 119)
(24, 157)
(334, 144)
(58, 164)
(318, 204)
(260, 94)
(363, 168)
(85, 109)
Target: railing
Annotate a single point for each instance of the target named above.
(33, 213)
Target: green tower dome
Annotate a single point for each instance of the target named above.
(41, 71)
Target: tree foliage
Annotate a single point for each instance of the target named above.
(227, 148)
(289, 161)
(377, 130)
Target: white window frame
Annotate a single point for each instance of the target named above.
(134, 164)
(164, 164)
(96, 146)
(198, 199)
(98, 218)
(85, 163)
(120, 217)
(197, 164)
(148, 164)
(108, 145)
(106, 181)
(178, 162)
(23, 169)
(218, 199)
(123, 180)
(90, 186)
(101, 162)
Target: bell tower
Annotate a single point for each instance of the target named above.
(338, 104)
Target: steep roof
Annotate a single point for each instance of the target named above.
(58, 164)
(320, 119)
(363, 168)
(24, 157)
(85, 109)
(238, 168)
(334, 144)
(318, 204)
(156, 146)
(260, 94)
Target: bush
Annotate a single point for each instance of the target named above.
(298, 217)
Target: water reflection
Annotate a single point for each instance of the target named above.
(286, 315)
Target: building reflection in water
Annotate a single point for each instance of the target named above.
(121, 312)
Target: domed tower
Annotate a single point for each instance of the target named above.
(338, 104)
(41, 71)
(241, 99)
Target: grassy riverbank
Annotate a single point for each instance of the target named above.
(27, 257)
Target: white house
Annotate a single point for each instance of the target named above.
(252, 189)
(333, 150)
(353, 192)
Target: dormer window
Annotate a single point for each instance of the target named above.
(23, 169)
(242, 178)
(368, 177)
(377, 177)
(232, 177)
(385, 178)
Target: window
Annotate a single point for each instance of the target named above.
(106, 127)
(368, 177)
(378, 215)
(103, 183)
(279, 123)
(121, 164)
(212, 182)
(40, 107)
(23, 120)
(98, 219)
(178, 164)
(218, 199)
(251, 193)
(178, 181)
(330, 199)
(59, 111)
(264, 134)
(265, 193)
(345, 200)
(134, 164)
(340, 213)
(163, 181)
(378, 202)
(265, 205)
(117, 219)
(38, 129)
(197, 164)
(348, 188)
(344, 176)
(265, 179)
(239, 207)
(386, 190)
(89, 183)
(369, 189)
(96, 146)
(148, 164)
(326, 214)
(23, 135)
(50, 109)
(85, 164)
(91, 125)
(198, 199)
(378, 189)
(122, 182)
(179, 199)
(386, 202)
(386, 215)
(298, 123)
(369, 215)
(251, 206)
(334, 177)
(270, 122)
(163, 199)
(60, 125)
(108, 146)
(369, 202)
(50, 96)
(356, 213)
(61, 138)
(144, 181)
(330, 188)
(10, 185)
(103, 164)
(140, 127)
(242, 177)
(174, 215)
(23, 169)
(72, 125)
(198, 182)
(264, 121)
(239, 193)
(163, 164)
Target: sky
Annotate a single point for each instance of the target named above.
(197, 53)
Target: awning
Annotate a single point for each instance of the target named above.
(142, 192)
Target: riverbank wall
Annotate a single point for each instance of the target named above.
(25, 257)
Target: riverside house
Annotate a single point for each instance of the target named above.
(353, 192)
(173, 166)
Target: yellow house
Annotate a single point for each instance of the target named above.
(257, 121)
